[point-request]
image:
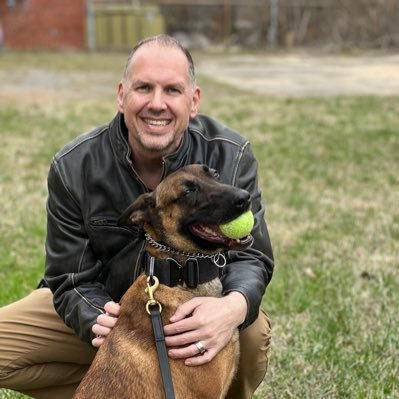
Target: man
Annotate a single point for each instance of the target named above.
(91, 261)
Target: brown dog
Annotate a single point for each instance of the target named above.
(180, 218)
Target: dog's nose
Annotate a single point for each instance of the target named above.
(242, 200)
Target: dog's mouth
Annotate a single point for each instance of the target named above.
(213, 235)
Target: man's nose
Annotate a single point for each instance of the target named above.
(157, 101)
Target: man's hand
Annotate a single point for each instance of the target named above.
(105, 323)
(207, 319)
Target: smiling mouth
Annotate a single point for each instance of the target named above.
(156, 122)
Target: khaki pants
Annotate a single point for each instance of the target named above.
(43, 358)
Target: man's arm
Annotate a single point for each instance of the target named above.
(250, 271)
(71, 266)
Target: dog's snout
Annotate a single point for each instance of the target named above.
(242, 200)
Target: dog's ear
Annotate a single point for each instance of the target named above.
(138, 211)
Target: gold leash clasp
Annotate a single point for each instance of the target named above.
(150, 291)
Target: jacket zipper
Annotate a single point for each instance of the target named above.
(136, 175)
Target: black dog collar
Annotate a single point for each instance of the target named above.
(193, 272)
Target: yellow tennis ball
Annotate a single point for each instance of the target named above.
(239, 227)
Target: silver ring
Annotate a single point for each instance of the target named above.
(200, 347)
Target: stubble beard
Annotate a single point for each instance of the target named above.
(164, 144)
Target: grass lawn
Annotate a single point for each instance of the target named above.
(329, 170)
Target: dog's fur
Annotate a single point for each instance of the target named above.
(126, 365)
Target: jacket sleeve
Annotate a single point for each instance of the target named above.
(250, 271)
(71, 266)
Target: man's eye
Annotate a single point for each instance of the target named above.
(173, 90)
(143, 88)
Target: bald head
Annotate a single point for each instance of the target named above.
(162, 41)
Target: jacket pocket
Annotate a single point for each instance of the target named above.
(108, 238)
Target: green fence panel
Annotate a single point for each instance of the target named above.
(120, 27)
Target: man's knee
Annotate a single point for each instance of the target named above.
(36, 348)
(255, 343)
(254, 358)
(5, 375)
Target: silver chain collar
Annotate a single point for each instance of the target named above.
(218, 259)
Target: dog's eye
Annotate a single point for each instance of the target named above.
(189, 191)
(191, 187)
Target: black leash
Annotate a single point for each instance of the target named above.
(162, 353)
(172, 273)
(154, 309)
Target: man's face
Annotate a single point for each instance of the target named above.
(157, 99)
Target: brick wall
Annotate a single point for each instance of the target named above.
(43, 24)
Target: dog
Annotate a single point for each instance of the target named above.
(180, 219)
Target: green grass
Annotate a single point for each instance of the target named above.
(329, 170)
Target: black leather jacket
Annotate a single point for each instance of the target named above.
(90, 260)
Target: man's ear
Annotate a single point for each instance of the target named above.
(138, 212)
(120, 97)
(195, 102)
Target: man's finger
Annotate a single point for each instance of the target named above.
(186, 352)
(185, 309)
(180, 327)
(201, 359)
(106, 320)
(100, 330)
(98, 341)
(182, 339)
(112, 308)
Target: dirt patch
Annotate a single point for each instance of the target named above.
(307, 75)
(51, 87)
